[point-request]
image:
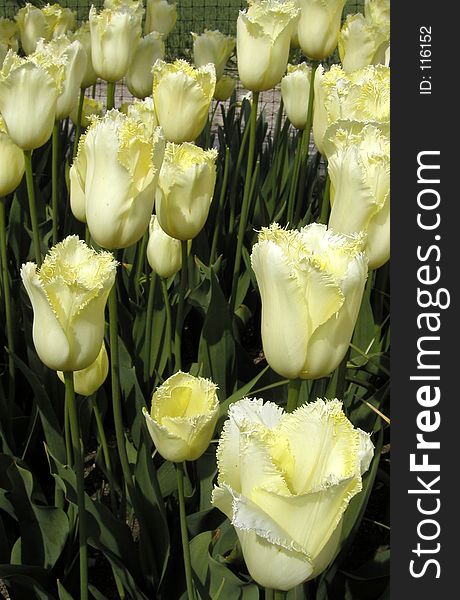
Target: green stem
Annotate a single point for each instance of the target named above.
(279, 595)
(183, 530)
(77, 446)
(305, 143)
(105, 451)
(148, 326)
(140, 264)
(325, 206)
(168, 336)
(68, 438)
(295, 180)
(220, 210)
(78, 124)
(32, 206)
(180, 308)
(55, 182)
(246, 197)
(293, 394)
(116, 396)
(110, 95)
(8, 314)
(236, 171)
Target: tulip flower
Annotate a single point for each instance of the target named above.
(225, 88)
(91, 108)
(363, 95)
(377, 12)
(311, 284)
(212, 47)
(29, 90)
(74, 56)
(182, 96)
(295, 91)
(11, 163)
(359, 167)
(114, 177)
(319, 27)
(83, 35)
(185, 190)
(139, 78)
(263, 40)
(285, 481)
(68, 295)
(8, 36)
(144, 112)
(361, 43)
(160, 16)
(114, 37)
(49, 22)
(183, 416)
(163, 251)
(87, 381)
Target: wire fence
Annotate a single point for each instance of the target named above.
(192, 15)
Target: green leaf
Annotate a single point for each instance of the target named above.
(217, 344)
(43, 529)
(63, 593)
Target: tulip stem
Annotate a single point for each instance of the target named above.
(116, 398)
(246, 198)
(105, 451)
(183, 530)
(279, 595)
(148, 327)
(78, 123)
(8, 315)
(110, 95)
(180, 308)
(325, 205)
(32, 206)
(55, 182)
(77, 446)
(293, 394)
(220, 209)
(168, 335)
(295, 180)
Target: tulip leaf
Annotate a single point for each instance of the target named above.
(43, 529)
(24, 579)
(63, 593)
(105, 533)
(217, 344)
(50, 423)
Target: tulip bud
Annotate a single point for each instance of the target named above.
(285, 503)
(263, 39)
(225, 88)
(163, 251)
(29, 89)
(212, 47)
(363, 95)
(83, 35)
(311, 283)
(87, 381)
(12, 164)
(182, 96)
(183, 416)
(8, 36)
(185, 190)
(32, 26)
(74, 56)
(51, 21)
(68, 295)
(91, 108)
(160, 16)
(114, 37)
(319, 27)
(139, 78)
(295, 91)
(359, 167)
(60, 19)
(361, 44)
(144, 112)
(115, 176)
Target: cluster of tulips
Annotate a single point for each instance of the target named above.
(285, 477)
